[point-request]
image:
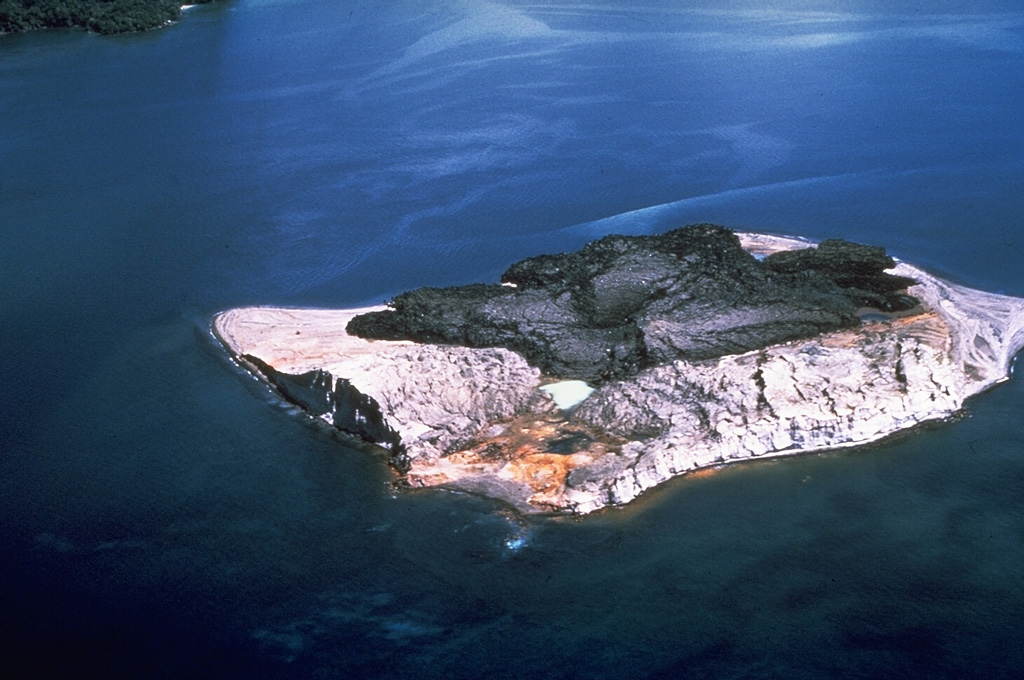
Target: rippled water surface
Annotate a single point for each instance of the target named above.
(163, 517)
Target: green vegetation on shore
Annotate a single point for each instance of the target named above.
(101, 16)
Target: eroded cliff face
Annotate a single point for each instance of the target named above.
(846, 388)
(415, 401)
(338, 402)
(474, 418)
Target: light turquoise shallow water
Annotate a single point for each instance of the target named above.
(162, 516)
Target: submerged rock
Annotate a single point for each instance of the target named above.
(701, 353)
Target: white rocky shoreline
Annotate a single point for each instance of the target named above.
(476, 420)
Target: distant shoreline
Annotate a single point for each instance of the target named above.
(96, 16)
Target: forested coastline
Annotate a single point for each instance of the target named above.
(101, 16)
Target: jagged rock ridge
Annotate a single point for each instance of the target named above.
(625, 303)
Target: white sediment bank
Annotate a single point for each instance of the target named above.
(479, 420)
(568, 393)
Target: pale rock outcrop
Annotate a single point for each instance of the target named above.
(434, 397)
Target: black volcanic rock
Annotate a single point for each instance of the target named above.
(858, 269)
(624, 303)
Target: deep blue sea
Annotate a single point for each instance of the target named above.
(162, 516)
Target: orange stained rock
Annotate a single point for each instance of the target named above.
(929, 328)
(926, 327)
(521, 453)
(545, 473)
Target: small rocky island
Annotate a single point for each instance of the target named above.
(583, 379)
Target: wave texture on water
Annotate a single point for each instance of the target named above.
(159, 519)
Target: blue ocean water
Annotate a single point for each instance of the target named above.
(163, 517)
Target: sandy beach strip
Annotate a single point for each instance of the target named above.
(296, 340)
